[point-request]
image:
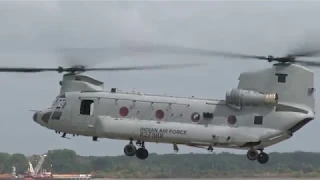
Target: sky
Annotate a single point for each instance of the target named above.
(259, 28)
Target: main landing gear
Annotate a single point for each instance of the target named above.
(131, 150)
(261, 157)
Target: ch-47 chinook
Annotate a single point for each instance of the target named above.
(267, 107)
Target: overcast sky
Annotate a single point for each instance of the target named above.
(260, 28)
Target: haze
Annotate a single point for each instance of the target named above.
(259, 28)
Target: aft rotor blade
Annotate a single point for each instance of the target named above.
(309, 47)
(314, 53)
(308, 63)
(151, 67)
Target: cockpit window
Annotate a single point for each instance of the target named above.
(58, 98)
(46, 116)
(61, 104)
(54, 102)
(56, 115)
(62, 95)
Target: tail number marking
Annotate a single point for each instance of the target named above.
(158, 133)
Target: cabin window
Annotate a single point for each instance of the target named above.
(282, 77)
(86, 107)
(258, 120)
(207, 115)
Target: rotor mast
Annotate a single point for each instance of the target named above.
(79, 82)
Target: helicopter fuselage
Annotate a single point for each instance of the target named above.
(180, 120)
(267, 107)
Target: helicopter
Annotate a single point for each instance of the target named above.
(267, 107)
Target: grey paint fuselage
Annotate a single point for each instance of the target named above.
(177, 110)
(106, 121)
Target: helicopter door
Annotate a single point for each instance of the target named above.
(85, 120)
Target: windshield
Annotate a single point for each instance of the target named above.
(54, 102)
(59, 102)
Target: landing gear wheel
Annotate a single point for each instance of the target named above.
(139, 143)
(263, 158)
(175, 148)
(130, 150)
(252, 154)
(142, 153)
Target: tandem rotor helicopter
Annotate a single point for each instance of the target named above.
(267, 107)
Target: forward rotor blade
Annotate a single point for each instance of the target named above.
(157, 48)
(152, 48)
(152, 67)
(82, 69)
(26, 70)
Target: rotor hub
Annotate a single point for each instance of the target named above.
(76, 68)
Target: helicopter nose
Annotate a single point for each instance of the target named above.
(35, 117)
(41, 117)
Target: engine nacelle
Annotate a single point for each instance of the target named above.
(242, 97)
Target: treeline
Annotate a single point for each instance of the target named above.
(170, 165)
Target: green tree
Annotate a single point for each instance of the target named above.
(5, 164)
(20, 162)
(302, 164)
(62, 161)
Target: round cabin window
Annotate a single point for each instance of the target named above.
(232, 119)
(123, 111)
(159, 114)
(195, 117)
